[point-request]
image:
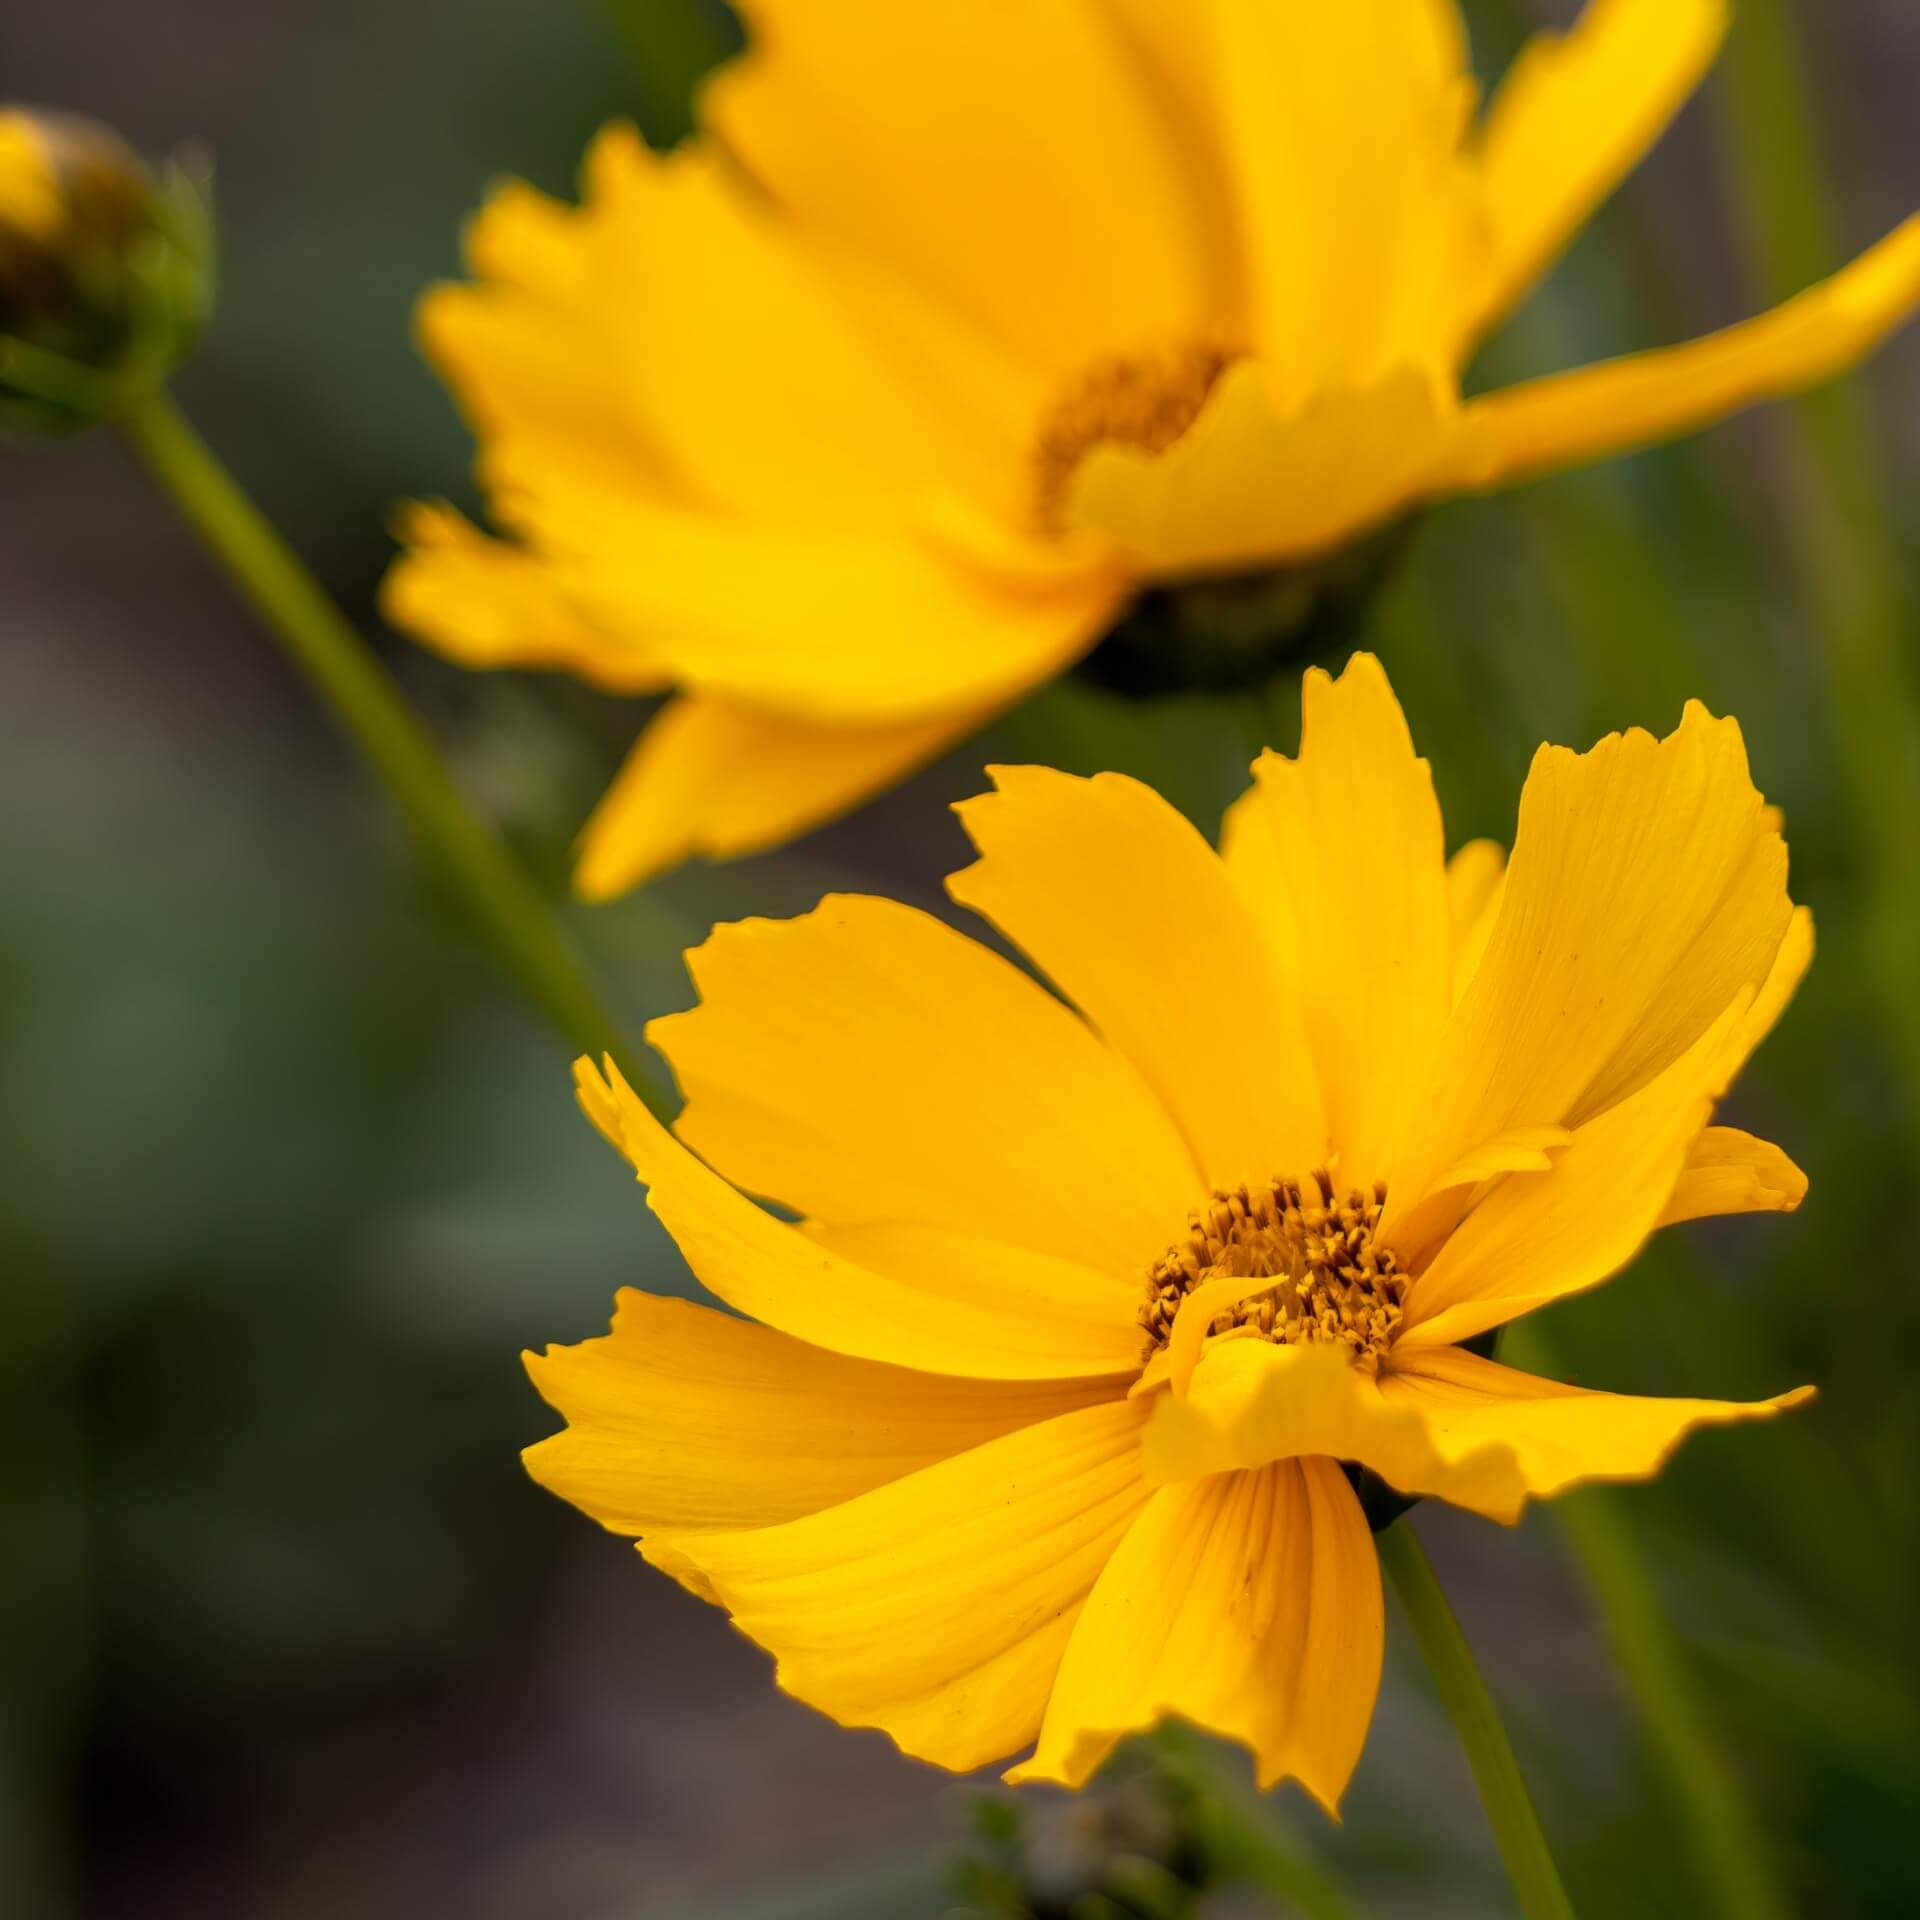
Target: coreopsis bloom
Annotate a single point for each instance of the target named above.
(1042, 1418)
(875, 405)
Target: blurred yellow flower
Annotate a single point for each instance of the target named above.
(1033, 1431)
(870, 409)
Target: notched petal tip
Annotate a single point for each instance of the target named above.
(618, 1113)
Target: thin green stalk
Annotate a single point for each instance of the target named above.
(509, 910)
(1456, 1678)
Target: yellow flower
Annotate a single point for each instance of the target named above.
(870, 410)
(1038, 1436)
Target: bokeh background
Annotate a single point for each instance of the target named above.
(287, 1179)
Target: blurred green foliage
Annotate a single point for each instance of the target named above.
(290, 1182)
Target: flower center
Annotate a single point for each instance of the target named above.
(1146, 400)
(1330, 1280)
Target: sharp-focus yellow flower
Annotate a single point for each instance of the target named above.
(1039, 1434)
(870, 409)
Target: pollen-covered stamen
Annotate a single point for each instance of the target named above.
(1331, 1280)
(1145, 400)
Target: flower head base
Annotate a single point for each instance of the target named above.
(960, 1478)
(957, 331)
(105, 270)
(1327, 1279)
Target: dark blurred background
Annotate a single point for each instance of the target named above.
(289, 1179)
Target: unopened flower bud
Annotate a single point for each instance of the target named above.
(104, 270)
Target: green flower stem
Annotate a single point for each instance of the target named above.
(508, 909)
(1516, 1827)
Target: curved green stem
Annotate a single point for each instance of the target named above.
(1456, 1678)
(509, 910)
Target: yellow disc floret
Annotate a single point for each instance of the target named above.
(1331, 1280)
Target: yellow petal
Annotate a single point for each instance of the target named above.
(1172, 59)
(715, 777)
(1476, 878)
(1252, 858)
(1438, 1422)
(1252, 1402)
(1645, 891)
(861, 627)
(1087, 1317)
(529, 350)
(1351, 282)
(1358, 834)
(683, 1417)
(1413, 1231)
(935, 1608)
(1572, 118)
(486, 603)
(1540, 1236)
(1254, 482)
(533, 243)
(1728, 1171)
(1557, 1436)
(1195, 1314)
(1114, 896)
(1568, 419)
(1248, 1604)
(751, 364)
(786, 1279)
(866, 1064)
(1518, 1150)
(1013, 163)
(530, 377)
(1783, 979)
